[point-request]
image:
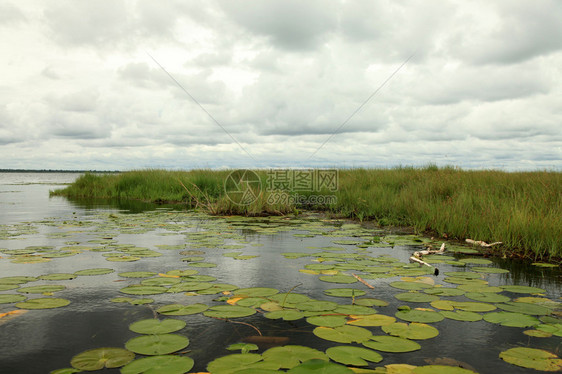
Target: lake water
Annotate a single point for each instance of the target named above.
(42, 235)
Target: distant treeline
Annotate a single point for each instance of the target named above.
(55, 171)
(523, 210)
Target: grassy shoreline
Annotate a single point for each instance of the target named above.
(523, 210)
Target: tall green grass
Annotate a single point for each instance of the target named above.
(523, 210)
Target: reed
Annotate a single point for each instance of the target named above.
(523, 210)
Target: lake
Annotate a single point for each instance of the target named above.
(104, 265)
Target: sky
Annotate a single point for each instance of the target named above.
(182, 84)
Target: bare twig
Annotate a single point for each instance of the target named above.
(362, 281)
(240, 323)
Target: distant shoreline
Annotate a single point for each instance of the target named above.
(56, 171)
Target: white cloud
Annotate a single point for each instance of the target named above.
(79, 90)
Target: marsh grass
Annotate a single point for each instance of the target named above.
(523, 210)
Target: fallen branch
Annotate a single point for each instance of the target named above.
(481, 243)
(417, 257)
(362, 281)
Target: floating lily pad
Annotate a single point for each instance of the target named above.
(96, 271)
(235, 362)
(289, 299)
(285, 315)
(42, 289)
(242, 347)
(7, 299)
(189, 286)
(444, 291)
(43, 303)
(6, 287)
(538, 333)
(487, 297)
(477, 261)
(229, 311)
(461, 315)
(511, 319)
(327, 321)
(217, 288)
(368, 301)
(132, 301)
(155, 326)
(143, 290)
(318, 367)
(371, 320)
(122, 258)
(441, 369)
(385, 343)
(544, 265)
(523, 289)
(416, 297)
(289, 356)
(413, 330)
(152, 345)
(553, 328)
(490, 270)
(343, 334)
(422, 316)
(58, 276)
(532, 358)
(409, 286)
(182, 310)
(344, 292)
(202, 265)
(344, 279)
(137, 274)
(160, 281)
(525, 308)
(97, 359)
(168, 364)
(356, 356)
(317, 306)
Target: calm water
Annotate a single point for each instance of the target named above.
(40, 341)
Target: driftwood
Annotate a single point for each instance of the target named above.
(362, 281)
(417, 257)
(481, 243)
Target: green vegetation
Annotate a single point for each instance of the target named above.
(522, 210)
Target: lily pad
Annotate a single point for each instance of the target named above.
(182, 310)
(345, 279)
(152, 345)
(42, 289)
(58, 276)
(461, 315)
(7, 299)
(344, 292)
(441, 369)
(385, 343)
(96, 271)
(319, 367)
(416, 331)
(43, 303)
(487, 297)
(532, 358)
(371, 320)
(369, 301)
(422, 316)
(416, 297)
(235, 362)
(99, 358)
(490, 270)
(229, 311)
(343, 334)
(523, 289)
(155, 326)
(356, 356)
(525, 308)
(143, 290)
(137, 274)
(289, 356)
(317, 306)
(168, 364)
(410, 286)
(285, 315)
(511, 319)
(444, 291)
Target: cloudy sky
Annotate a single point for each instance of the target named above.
(278, 83)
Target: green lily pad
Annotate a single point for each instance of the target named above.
(58, 276)
(152, 345)
(143, 290)
(369, 301)
(416, 297)
(97, 359)
(409, 286)
(525, 308)
(229, 311)
(327, 321)
(523, 289)
(217, 288)
(182, 310)
(202, 265)
(319, 367)
(344, 292)
(235, 362)
(42, 289)
(385, 343)
(43, 303)
(122, 258)
(487, 297)
(538, 333)
(490, 270)
(354, 309)
(371, 320)
(289, 299)
(242, 347)
(285, 315)
(252, 302)
(137, 274)
(96, 271)
(160, 281)
(343, 334)
(17, 279)
(441, 369)
(511, 319)
(422, 316)
(7, 299)
(532, 358)
(553, 328)
(344, 279)
(317, 306)
(356, 356)
(476, 261)
(256, 292)
(444, 291)
(159, 364)
(6, 287)
(289, 356)
(461, 315)
(189, 287)
(155, 326)
(132, 301)
(416, 331)
(544, 265)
